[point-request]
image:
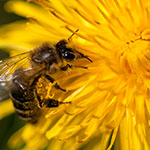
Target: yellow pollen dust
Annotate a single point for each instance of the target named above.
(44, 88)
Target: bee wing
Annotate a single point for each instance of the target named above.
(4, 91)
(9, 65)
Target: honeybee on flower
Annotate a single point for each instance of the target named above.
(109, 100)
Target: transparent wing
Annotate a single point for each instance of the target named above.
(9, 65)
(4, 91)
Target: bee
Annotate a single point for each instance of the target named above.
(20, 74)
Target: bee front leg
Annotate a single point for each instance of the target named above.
(64, 68)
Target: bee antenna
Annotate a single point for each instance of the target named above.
(88, 58)
(83, 56)
(73, 34)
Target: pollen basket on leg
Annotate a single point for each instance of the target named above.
(44, 88)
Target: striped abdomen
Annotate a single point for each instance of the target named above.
(24, 100)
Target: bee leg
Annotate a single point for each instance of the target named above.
(35, 80)
(49, 78)
(53, 103)
(38, 97)
(64, 68)
(49, 102)
(52, 80)
(58, 87)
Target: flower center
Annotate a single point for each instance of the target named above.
(137, 42)
(134, 54)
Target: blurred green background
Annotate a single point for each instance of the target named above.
(11, 123)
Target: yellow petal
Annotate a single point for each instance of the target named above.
(6, 108)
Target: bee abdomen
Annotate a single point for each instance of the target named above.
(27, 110)
(21, 106)
(28, 115)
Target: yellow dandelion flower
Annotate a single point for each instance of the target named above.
(111, 99)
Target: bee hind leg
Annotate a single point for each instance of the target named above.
(53, 103)
(48, 102)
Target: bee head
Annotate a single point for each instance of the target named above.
(67, 53)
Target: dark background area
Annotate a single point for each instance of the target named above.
(10, 124)
(5, 17)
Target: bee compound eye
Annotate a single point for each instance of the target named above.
(69, 56)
